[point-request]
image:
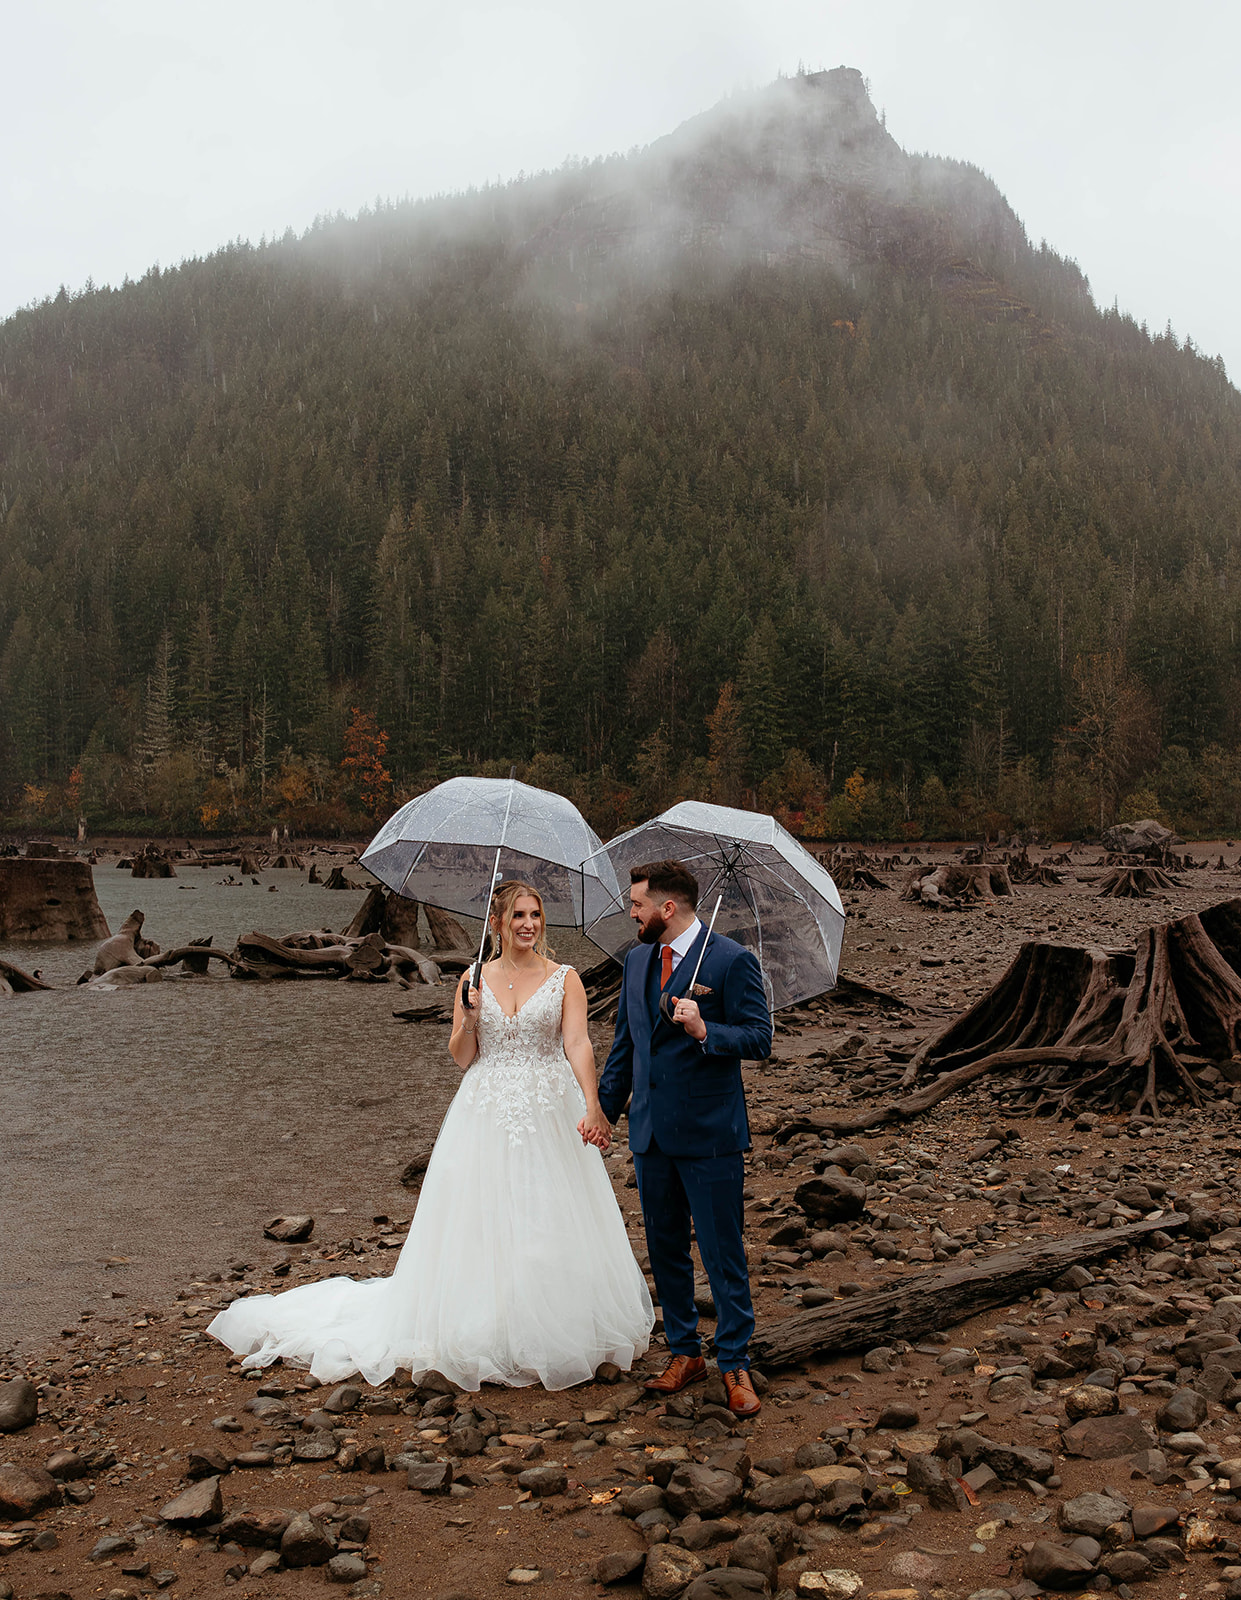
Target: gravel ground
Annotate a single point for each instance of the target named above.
(1084, 1437)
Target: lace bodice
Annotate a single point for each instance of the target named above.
(521, 1071)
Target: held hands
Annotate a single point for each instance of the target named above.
(595, 1129)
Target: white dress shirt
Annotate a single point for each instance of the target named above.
(681, 944)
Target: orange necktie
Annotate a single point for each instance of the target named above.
(666, 968)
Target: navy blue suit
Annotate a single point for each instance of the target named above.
(688, 1129)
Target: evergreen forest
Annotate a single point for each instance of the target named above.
(770, 464)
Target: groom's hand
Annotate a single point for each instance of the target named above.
(690, 1018)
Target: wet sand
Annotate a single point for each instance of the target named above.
(148, 1132)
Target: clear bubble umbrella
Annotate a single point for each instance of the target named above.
(771, 893)
(449, 846)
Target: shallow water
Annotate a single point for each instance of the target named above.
(147, 1133)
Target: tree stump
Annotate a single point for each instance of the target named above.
(1135, 883)
(446, 932)
(44, 901)
(151, 862)
(368, 917)
(390, 914)
(400, 921)
(1069, 1027)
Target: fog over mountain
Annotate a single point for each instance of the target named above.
(765, 458)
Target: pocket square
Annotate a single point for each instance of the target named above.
(700, 989)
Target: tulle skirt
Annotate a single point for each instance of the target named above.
(517, 1268)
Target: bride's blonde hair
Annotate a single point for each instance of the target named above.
(500, 915)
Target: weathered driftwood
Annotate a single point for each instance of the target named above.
(1135, 883)
(413, 965)
(955, 884)
(259, 954)
(311, 939)
(14, 981)
(194, 957)
(44, 901)
(368, 955)
(1070, 1025)
(943, 1298)
(126, 947)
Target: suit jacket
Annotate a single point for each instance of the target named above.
(687, 1095)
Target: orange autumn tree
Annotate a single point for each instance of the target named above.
(365, 746)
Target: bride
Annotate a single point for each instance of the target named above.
(517, 1268)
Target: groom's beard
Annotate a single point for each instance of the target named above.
(654, 930)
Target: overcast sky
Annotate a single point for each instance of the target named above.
(139, 131)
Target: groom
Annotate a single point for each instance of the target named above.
(687, 1117)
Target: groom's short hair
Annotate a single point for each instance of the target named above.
(668, 880)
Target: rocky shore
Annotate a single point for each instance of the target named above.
(1083, 1438)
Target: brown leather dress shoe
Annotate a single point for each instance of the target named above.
(742, 1401)
(680, 1372)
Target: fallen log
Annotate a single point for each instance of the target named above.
(369, 955)
(258, 950)
(943, 1298)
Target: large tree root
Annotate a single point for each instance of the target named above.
(940, 1299)
(1135, 883)
(1070, 1027)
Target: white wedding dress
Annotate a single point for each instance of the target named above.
(517, 1268)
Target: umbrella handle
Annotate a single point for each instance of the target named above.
(664, 1004)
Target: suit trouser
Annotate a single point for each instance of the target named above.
(704, 1190)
